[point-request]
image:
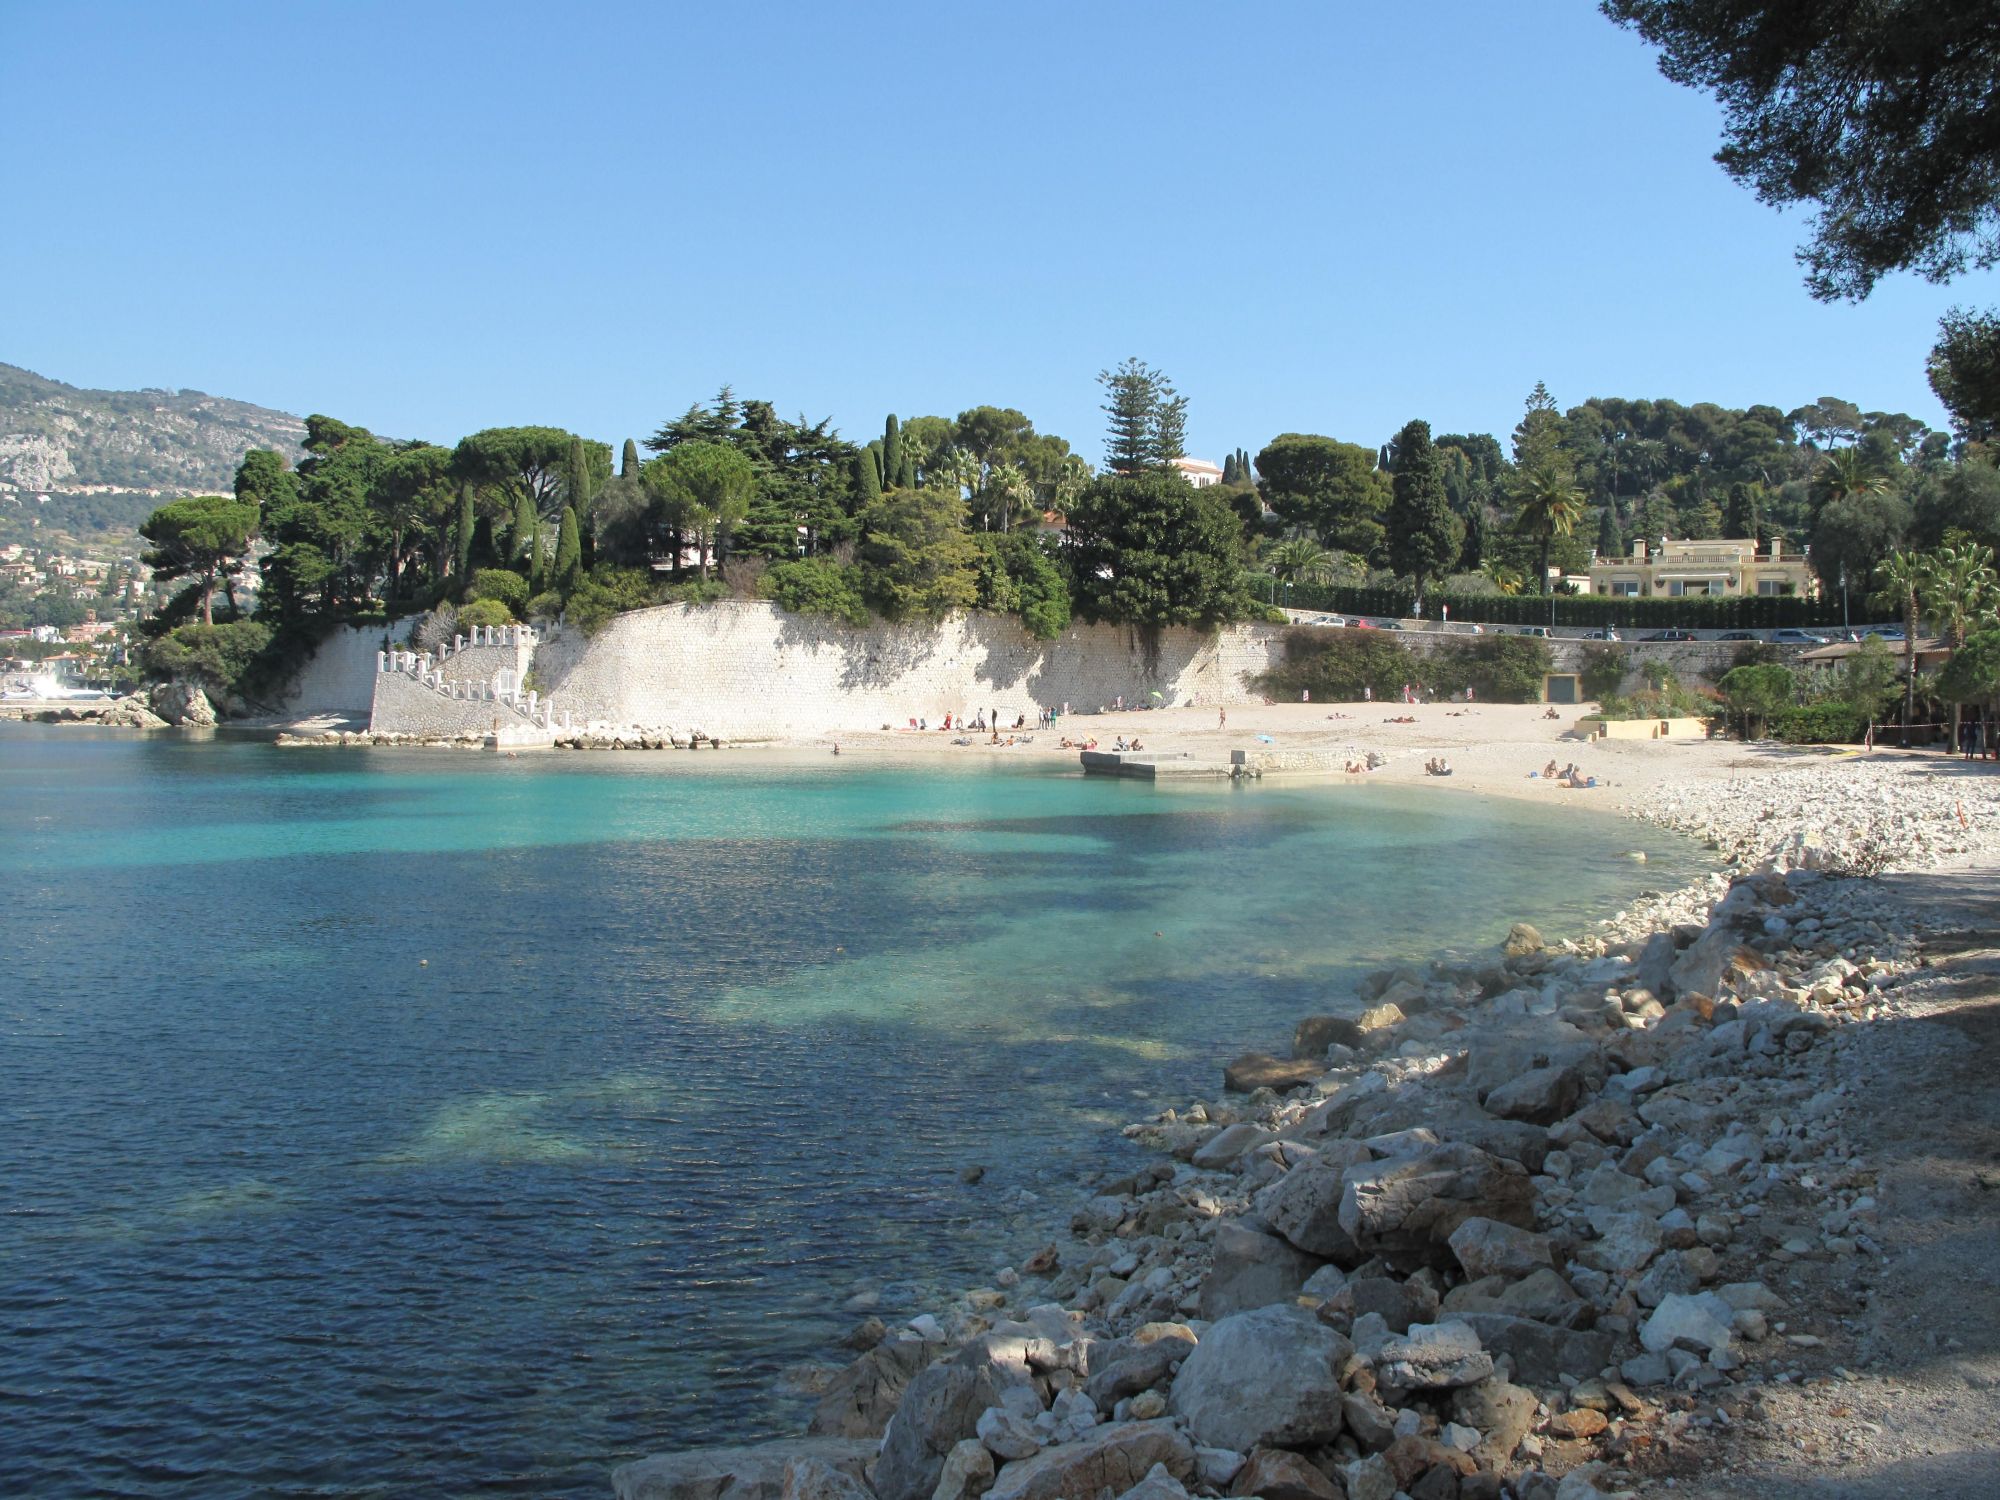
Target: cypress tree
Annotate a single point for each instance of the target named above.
(1229, 468)
(1473, 557)
(628, 461)
(538, 567)
(576, 477)
(523, 538)
(461, 561)
(867, 475)
(892, 454)
(906, 472)
(1422, 543)
(1609, 543)
(1740, 518)
(569, 554)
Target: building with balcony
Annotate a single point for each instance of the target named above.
(1716, 565)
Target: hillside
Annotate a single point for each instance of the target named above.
(105, 459)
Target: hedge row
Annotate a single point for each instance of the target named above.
(1335, 665)
(1713, 612)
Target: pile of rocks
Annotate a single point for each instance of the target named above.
(130, 712)
(335, 738)
(1873, 816)
(1492, 1229)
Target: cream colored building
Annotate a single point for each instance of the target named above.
(1679, 570)
(1199, 472)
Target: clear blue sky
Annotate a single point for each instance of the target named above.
(1326, 217)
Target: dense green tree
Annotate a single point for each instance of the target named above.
(1150, 549)
(1330, 488)
(1739, 518)
(1965, 372)
(530, 461)
(1423, 541)
(1609, 542)
(1146, 419)
(867, 475)
(1853, 534)
(1880, 115)
(203, 537)
(1755, 693)
(816, 586)
(568, 571)
(628, 461)
(322, 531)
(804, 497)
(916, 556)
(1973, 673)
(1478, 540)
(704, 490)
(1019, 575)
(1961, 504)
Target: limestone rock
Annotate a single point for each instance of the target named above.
(1541, 1352)
(1304, 1204)
(1259, 1070)
(1540, 1096)
(1115, 1457)
(1276, 1474)
(1486, 1247)
(1126, 1367)
(816, 1479)
(1157, 1485)
(1006, 1434)
(865, 1395)
(1521, 940)
(942, 1406)
(1312, 1036)
(752, 1472)
(182, 703)
(1227, 1144)
(1501, 1410)
(1433, 1356)
(968, 1472)
(1252, 1270)
(1270, 1376)
(1699, 1321)
(1406, 1208)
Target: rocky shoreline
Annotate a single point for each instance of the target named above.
(1537, 1226)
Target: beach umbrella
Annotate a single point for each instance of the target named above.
(1265, 739)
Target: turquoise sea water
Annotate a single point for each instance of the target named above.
(386, 1123)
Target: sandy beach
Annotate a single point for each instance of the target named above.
(1491, 747)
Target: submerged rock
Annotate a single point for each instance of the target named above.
(753, 1472)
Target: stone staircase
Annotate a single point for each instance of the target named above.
(484, 667)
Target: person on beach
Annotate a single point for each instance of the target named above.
(1222, 718)
(1367, 693)
(1305, 695)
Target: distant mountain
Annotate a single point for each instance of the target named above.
(106, 459)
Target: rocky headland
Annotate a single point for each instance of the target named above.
(1547, 1225)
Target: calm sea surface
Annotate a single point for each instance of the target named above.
(386, 1123)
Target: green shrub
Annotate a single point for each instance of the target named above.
(223, 658)
(484, 612)
(1497, 668)
(1335, 665)
(1758, 693)
(1603, 672)
(545, 606)
(816, 586)
(1829, 723)
(1671, 699)
(609, 592)
(507, 588)
(691, 591)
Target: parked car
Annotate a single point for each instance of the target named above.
(1602, 635)
(1886, 632)
(1388, 624)
(1541, 631)
(1790, 637)
(1739, 635)
(1671, 635)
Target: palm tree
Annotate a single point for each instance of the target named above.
(1960, 591)
(1551, 505)
(1843, 474)
(1008, 483)
(1506, 579)
(1301, 559)
(1905, 584)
